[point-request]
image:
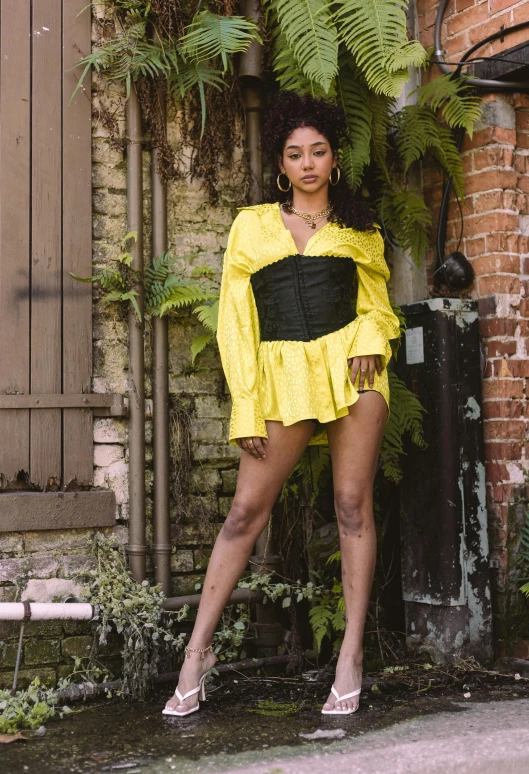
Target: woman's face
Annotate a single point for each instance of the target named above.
(307, 159)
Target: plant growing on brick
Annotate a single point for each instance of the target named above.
(135, 611)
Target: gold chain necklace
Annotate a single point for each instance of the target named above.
(310, 218)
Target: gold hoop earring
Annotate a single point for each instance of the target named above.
(279, 185)
(337, 179)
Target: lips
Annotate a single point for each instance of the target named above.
(309, 178)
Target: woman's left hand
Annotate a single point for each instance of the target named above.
(367, 365)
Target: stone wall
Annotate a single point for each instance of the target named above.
(496, 240)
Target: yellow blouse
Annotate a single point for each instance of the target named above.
(288, 381)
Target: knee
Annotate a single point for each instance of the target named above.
(353, 511)
(243, 520)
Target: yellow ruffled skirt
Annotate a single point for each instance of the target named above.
(311, 380)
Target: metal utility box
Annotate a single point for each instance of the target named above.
(445, 568)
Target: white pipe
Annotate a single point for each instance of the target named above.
(46, 611)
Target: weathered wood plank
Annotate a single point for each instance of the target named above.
(46, 291)
(77, 244)
(113, 401)
(28, 511)
(15, 144)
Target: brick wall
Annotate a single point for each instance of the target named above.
(496, 240)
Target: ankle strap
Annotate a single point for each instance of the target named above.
(202, 651)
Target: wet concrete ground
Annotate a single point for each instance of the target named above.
(234, 730)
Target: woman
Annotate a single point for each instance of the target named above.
(296, 357)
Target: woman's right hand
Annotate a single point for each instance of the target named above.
(254, 446)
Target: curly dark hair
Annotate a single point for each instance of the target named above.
(288, 112)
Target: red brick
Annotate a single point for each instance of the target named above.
(525, 265)
(474, 246)
(467, 19)
(497, 348)
(519, 368)
(523, 183)
(480, 31)
(490, 200)
(503, 450)
(500, 5)
(521, 100)
(504, 430)
(496, 472)
(522, 140)
(524, 307)
(499, 283)
(503, 409)
(522, 117)
(497, 326)
(492, 156)
(494, 178)
(462, 4)
(518, 162)
(514, 38)
(495, 262)
(503, 388)
(454, 45)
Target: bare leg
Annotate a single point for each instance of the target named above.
(258, 485)
(354, 442)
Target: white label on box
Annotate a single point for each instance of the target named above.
(414, 345)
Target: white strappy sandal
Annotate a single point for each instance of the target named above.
(202, 697)
(200, 689)
(341, 698)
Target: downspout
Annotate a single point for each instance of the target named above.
(268, 630)
(160, 388)
(136, 547)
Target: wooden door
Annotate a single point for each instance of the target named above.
(46, 437)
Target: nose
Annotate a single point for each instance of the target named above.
(308, 163)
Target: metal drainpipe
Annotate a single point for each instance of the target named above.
(268, 630)
(160, 390)
(136, 548)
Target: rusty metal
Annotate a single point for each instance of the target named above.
(136, 547)
(238, 597)
(160, 389)
(443, 514)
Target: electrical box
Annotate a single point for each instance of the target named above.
(444, 542)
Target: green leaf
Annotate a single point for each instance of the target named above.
(406, 416)
(354, 97)
(208, 315)
(199, 343)
(374, 31)
(311, 37)
(211, 35)
(286, 602)
(452, 96)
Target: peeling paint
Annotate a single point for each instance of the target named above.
(473, 408)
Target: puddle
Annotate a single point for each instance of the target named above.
(246, 716)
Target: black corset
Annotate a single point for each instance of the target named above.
(303, 297)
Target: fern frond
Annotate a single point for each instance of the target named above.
(374, 31)
(417, 132)
(208, 315)
(183, 295)
(210, 36)
(288, 73)
(381, 108)
(320, 617)
(452, 96)
(405, 213)
(354, 95)
(311, 37)
(406, 416)
(199, 343)
(197, 74)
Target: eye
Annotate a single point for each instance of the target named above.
(320, 153)
(294, 156)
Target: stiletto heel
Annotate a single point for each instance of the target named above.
(200, 689)
(341, 698)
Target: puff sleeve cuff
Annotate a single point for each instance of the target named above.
(376, 321)
(238, 330)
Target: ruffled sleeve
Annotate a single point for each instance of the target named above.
(376, 321)
(238, 329)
